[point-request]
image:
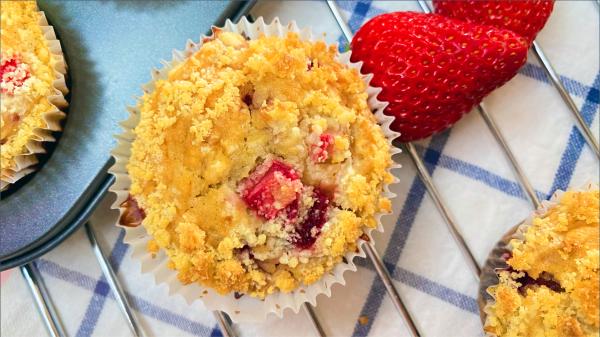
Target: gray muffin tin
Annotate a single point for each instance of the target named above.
(110, 48)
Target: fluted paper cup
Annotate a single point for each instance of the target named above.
(24, 163)
(244, 308)
(496, 260)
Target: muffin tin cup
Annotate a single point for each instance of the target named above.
(24, 163)
(245, 308)
(495, 261)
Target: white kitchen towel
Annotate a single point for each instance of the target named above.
(467, 165)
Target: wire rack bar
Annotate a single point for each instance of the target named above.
(525, 183)
(42, 299)
(377, 262)
(391, 290)
(121, 298)
(443, 209)
(344, 27)
(493, 127)
(555, 79)
(313, 319)
(224, 324)
(113, 282)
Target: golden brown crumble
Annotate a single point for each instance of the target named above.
(27, 79)
(245, 143)
(561, 245)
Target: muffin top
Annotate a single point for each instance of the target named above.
(551, 286)
(257, 164)
(27, 76)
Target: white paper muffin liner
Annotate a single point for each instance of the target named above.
(246, 308)
(495, 261)
(24, 163)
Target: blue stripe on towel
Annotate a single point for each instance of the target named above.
(399, 235)
(151, 310)
(94, 308)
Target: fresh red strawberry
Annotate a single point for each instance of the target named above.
(271, 188)
(433, 69)
(524, 17)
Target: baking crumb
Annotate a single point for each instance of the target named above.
(363, 320)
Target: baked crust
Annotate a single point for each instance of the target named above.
(230, 115)
(559, 256)
(28, 75)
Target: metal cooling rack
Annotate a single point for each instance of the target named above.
(54, 326)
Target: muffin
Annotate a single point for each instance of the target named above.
(257, 164)
(32, 87)
(550, 287)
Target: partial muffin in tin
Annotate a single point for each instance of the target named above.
(32, 86)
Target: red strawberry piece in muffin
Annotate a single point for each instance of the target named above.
(320, 149)
(274, 189)
(13, 73)
(308, 230)
(271, 188)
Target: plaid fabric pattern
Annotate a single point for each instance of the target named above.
(435, 283)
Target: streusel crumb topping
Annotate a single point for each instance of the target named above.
(27, 76)
(551, 287)
(257, 164)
